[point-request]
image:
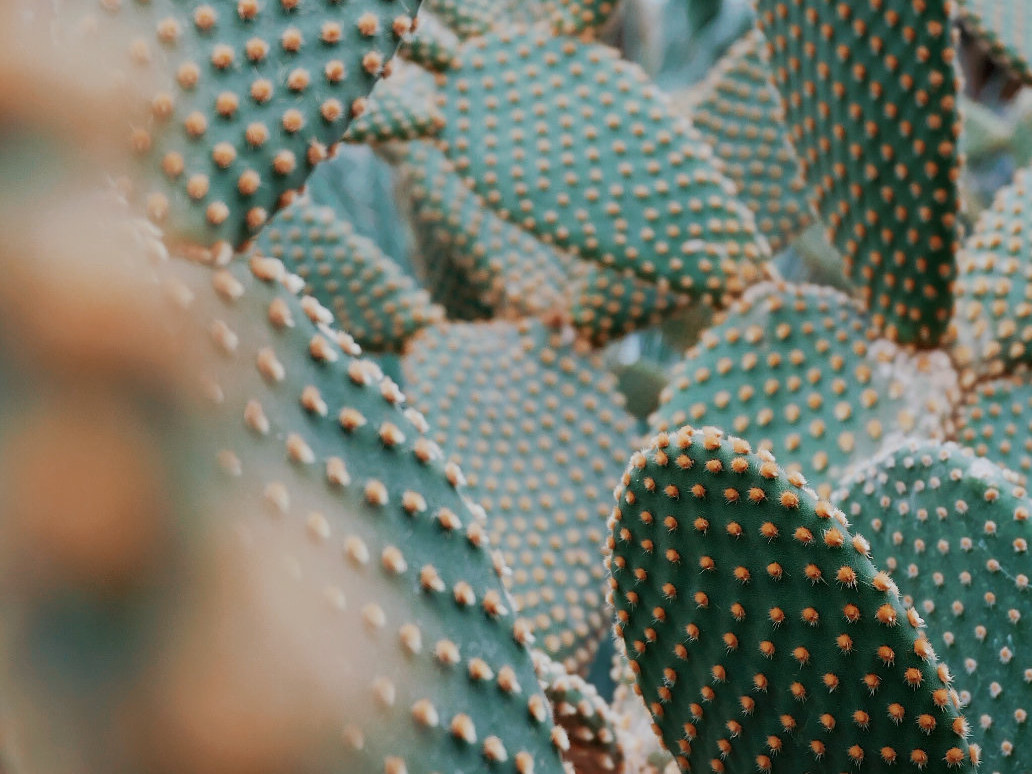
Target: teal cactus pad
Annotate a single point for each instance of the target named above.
(471, 257)
(432, 46)
(370, 295)
(762, 636)
(870, 94)
(608, 304)
(1003, 27)
(537, 425)
(738, 111)
(399, 108)
(797, 370)
(577, 17)
(466, 18)
(573, 144)
(953, 531)
(994, 313)
(995, 419)
(585, 717)
(249, 96)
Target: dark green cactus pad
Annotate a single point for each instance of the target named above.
(762, 636)
(953, 531)
(796, 369)
(577, 708)
(995, 419)
(249, 96)
(399, 108)
(577, 146)
(537, 424)
(608, 303)
(870, 94)
(370, 295)
(431, 659)
(471, 257)
(738, 111)
(1004, 30)
(994, 313)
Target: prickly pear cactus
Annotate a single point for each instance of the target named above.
(575, 145)
(400, 108)
(995, 420)
(247, 97)
(953, 531)
(796, 369)
(760, 632)
(870, 95)
(541, 434)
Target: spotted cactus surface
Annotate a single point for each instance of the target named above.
(399, 108)
(953, 531)
(761, 634)
(995, 420)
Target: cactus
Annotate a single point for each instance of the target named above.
(759, 630)
(953, 531)
(399, 108)
(878, 143)
(738, 111)
(370, 294)
(1002, 28)
(992, 421)
(795, 369)
(541, 435)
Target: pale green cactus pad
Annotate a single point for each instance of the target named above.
(870, 93)
(537, 424)
(953, 530)
(578, 147)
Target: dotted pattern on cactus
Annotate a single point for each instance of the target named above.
(953, 531)
(432, 46)
(471, 257)
(577, 146)
(994, 314)
(796, 369)
(762, 636)
(1003, 28)
(399, 108)
(738, 112)
(538, 427)
(255, 93)
(369, 293)
(995, 419)
(585, 717)
(426, 639)
(870, 94)
(466, 18)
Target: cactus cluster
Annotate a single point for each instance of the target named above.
(370, 467)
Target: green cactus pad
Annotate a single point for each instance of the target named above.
(538, 427)
(432, 46)
(762, 636)
(995, 420)
(994, 313)
(399, 108)
(796, 369)
(1004, 29)
(577, 146)
(577, 17)
(584, 715)
(466, 18)
(607, 303)
(469, 253)
(249, 97)
(370, 295)
(738, 111)
(870, 94)
(953, 531)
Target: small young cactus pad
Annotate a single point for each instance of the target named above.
(370, 295)
(994, 312)
(537, 424)
(953, 531)
(995, 420)
(250, 95)
(577, 146)
(762, 636)
(795, 369)
(738, 111)
(1004, 28)
(495, 264)
(870, 94)
(399, 108)
(466, 18)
